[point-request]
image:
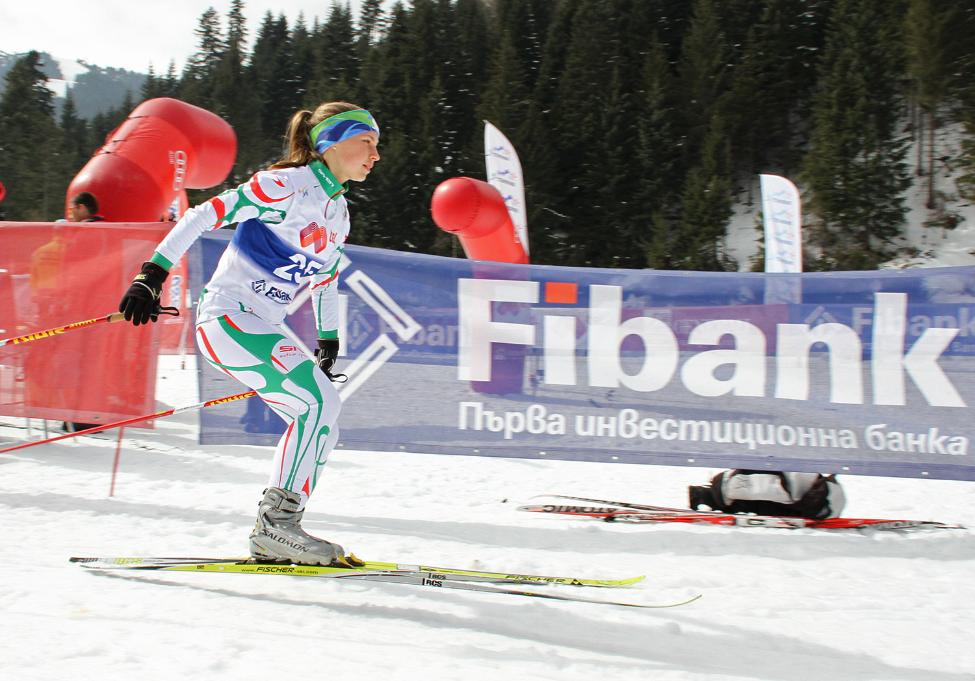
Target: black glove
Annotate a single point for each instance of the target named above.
(326, 354)
(141, 302)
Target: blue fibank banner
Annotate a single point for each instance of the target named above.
(859, 372)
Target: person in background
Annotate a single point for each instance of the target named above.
(84, 208)
(292, 223)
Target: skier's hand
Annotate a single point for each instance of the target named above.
(326, 354)
(140, 304)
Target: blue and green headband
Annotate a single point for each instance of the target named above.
(340, 127)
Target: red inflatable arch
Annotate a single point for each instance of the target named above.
(475, 212)
(164, 147)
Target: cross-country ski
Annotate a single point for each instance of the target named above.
(249, 566)
(627, 512)
(479, 582)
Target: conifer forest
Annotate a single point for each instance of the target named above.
(640, 124)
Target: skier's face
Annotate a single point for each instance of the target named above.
(353, 159)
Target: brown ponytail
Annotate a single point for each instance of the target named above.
(297, 145)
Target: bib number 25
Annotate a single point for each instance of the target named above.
(299, 269)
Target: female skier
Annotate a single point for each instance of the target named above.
(292, 223)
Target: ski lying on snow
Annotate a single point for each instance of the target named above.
(419, 577)
(246, 565)
(621, 511)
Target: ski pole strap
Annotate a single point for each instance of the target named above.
(336, 378)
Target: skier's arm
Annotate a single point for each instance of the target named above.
(325, 303)
(266, 196)
(325, 298)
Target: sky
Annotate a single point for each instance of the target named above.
(130, 35)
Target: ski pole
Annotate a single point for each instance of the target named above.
(58, 330)
(137, 419)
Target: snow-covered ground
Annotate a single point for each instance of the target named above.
(778, 605)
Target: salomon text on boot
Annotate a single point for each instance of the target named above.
(278, 537)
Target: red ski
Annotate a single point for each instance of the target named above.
(621, 511)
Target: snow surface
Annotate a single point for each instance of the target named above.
(778, 605)
(70, 70)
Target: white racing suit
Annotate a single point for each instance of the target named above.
(292, 225)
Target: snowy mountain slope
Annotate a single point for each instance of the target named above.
(95, 89)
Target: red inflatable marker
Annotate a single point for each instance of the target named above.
(164, 147)
(475, 212)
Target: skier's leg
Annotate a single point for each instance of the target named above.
(264, 357)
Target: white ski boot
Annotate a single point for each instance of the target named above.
(278, 537)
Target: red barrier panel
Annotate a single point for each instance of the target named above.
(162, 148)
(56, 273)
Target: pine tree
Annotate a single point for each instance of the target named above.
(388, 206)
(423, 128)
(303, 49)
(31, 162)
(658, 158)
(77, 145)
(150, 87)
(768, 104)
(371, 26)
(272, 81)
(526, 23)
(932, 48)
(621, 177)
(963, 98)
(233, 100)
(706, 206)
(669, 21)
(196, 86)
(161, 86)
(704, 73)
(369, 31)
(542, 160)
(505, 100)
(236, 27)
(462, 30)
(334, 60)
(855, 167)
(592, 49)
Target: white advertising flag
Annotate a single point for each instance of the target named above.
(782, 210)
(504, 174)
